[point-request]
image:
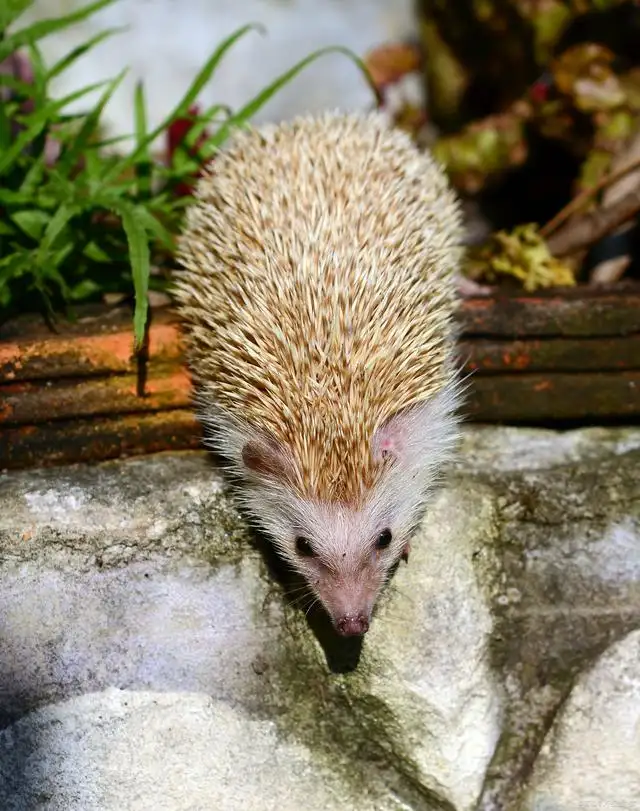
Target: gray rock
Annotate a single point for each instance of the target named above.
(139, 574)
(164, 751)
(429, 662)
(144, 626)
(591, 758)
(88, 517)
(568, 515)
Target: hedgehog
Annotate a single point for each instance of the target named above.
(316, 289)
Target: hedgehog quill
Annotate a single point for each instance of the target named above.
(317, 290)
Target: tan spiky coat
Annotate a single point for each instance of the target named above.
(317, 289)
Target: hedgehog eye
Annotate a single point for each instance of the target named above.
(303, 547)
(384, 539)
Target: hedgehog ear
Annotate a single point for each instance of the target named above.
(249, 449)
(265, 457)
(390, 440)
(423, 431)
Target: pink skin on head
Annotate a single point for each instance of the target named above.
(346, 554)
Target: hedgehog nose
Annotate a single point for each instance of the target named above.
(351, 625)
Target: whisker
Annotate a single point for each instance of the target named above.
(303, 587)
(313, 603)
(300, 600)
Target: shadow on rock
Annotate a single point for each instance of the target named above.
(19, 749)
(342, 653)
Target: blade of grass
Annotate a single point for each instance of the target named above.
(204, 120)
(34, 176)
(59, 220)
(51, 272)
(38, 94)
(95, 159)
(5, 127)
(11, 10)
(70, 156)
(106, 142)
(188, 99)
(38, 121)
(186, 160)
(143, 166)
(139, 257)
(155, 227)
(39, 87)
(60, 188)
(43, 28)
(140, 118)
(62, 64)
(18, 87)
(250, 109)
(183, 165)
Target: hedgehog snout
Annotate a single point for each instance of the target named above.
(352, 625)
(349, 601)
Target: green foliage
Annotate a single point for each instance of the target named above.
(76, 220)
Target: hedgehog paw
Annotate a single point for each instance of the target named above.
(469, 288)
(405, 552)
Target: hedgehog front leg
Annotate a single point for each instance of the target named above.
(469, 288)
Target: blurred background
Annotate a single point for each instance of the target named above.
(166, 42)
(528, 103)
(531, 106)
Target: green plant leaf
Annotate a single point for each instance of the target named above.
(70, 156)
(139, 257)
(51, 273)
(95, 161)
(155, 227)
(250, 109)
(39, 87)
(200, 123)
(205, 121)
(106, 142)
(183, 165)
(204, 75)
(140, 116)
(33, 178)
(95, 253)
(18, 87)
(56, 224)
(43, 28)
(12, 267)
(83, 290)
(144, 164)
(37, 121)
(10, 10)
(6, 230)
(5, 126)
(77, 53)
(61, 188)
(32, 221)
(9, 197)
(179, 203)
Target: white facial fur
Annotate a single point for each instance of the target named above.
(347, 569)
